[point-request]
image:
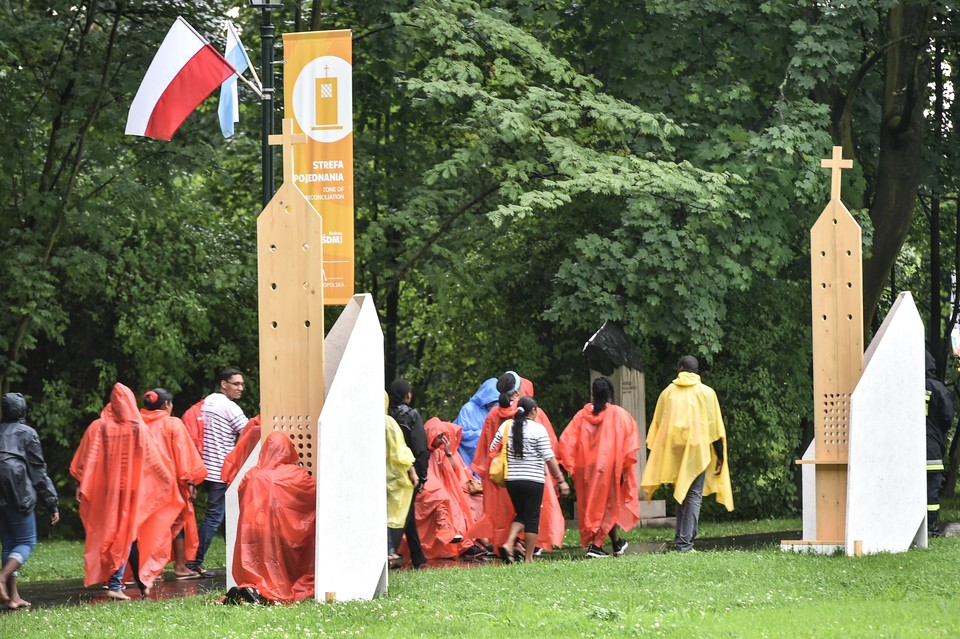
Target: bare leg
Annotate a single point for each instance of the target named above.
(531, 544)
(507, 548)
(13, 597)
(180, 560)
(6, 578)
(16, 601)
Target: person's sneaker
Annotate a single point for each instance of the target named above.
(596, 552)
(537, 551)
(473, 552)
(619, 547)
(198, 568)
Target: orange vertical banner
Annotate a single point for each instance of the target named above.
(318, 97)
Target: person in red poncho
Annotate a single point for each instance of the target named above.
(128, 493)
(498, 511)
(599, 448)
(276, 532)
(443, 508)
(188, 469)
(236, 458)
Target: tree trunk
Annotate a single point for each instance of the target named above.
(901, 146)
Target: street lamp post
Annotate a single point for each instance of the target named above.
(266, 74)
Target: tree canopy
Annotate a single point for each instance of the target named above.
(525, 171)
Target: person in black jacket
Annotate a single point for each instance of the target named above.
(401, 394)
(939, 421)
(23, 481)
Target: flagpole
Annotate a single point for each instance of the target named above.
(250, 84)
(246, 57)
(266, 59)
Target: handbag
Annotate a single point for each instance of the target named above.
(498, 465)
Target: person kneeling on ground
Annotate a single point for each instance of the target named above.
(276, 532)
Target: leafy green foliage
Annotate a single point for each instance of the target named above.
(525, 171)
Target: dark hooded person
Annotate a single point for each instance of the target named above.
(23, 485)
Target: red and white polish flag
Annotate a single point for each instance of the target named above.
(185, 70)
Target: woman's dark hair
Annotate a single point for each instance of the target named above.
(398, 391)
(602, 392)
(524, 407)
(156, 398)
(507, 384)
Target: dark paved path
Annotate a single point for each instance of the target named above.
(70, 592)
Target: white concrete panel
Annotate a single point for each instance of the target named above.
(808, 494)
(808, 482)
(232, 517)
(351, 454)
(886, 477)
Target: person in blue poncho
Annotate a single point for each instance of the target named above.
(472, 415)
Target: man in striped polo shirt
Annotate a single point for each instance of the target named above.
(222, 422)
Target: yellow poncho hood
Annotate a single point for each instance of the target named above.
(685, 423)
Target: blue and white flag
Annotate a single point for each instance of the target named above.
(229, 106)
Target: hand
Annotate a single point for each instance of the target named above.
(564, 487)
(78, 494)
(191, 492)
(719, 466)
(446, 445)
(54, 518)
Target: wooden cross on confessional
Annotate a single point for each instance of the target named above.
(290, 294)
(837, 331)
(836, 164)
(288, 138)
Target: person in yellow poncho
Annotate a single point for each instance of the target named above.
(688, 446)
(401, 477)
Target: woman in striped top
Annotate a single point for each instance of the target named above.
(528, 449)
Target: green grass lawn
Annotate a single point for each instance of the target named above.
(56, 559)
(762, 593)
